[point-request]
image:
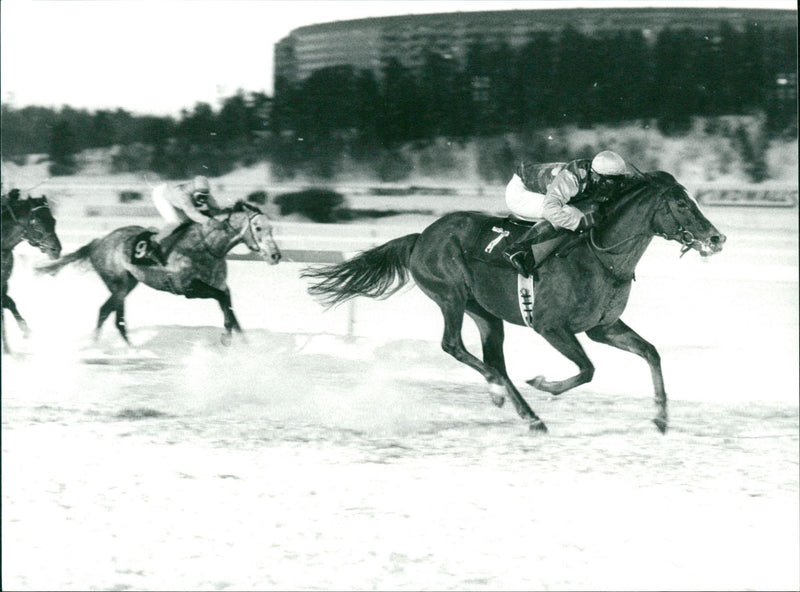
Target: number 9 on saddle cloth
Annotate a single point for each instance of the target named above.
(146, 252)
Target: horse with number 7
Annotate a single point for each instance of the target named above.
(582, 288)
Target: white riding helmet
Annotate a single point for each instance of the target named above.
(200, 186)
(609, 163)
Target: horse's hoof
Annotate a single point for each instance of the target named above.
(540, 383)
(225, 339)
(537, 425)
(498, 400)
(661, 424)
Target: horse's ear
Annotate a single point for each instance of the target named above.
(242, 205)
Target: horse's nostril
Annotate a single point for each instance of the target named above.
(718, 239)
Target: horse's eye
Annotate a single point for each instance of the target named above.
(258, 229)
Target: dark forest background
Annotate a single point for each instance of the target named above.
(554, 80)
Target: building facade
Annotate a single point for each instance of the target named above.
(369, 43)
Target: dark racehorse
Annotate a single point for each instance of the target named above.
(584, 288)
(30, 220)
(195, 266)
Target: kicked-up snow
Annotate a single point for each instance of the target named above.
(344, 449)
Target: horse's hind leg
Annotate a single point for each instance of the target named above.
(492, 336)
(619, 335)
(115, 304)
(120, 288)
(453, 344)
(566, 343)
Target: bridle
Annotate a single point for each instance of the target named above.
(251, 216)
(34, 237)
(681, 235)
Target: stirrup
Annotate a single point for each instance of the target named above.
(514, 260)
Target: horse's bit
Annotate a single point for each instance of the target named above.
(683, 236)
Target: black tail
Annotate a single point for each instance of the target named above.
(377, 273)
(79, 255)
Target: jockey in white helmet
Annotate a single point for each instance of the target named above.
(537, 192)
(191, 200)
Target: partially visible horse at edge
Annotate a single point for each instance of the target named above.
(195, 265)
(583, 288)
(23, 220)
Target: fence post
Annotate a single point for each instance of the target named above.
(351, 319)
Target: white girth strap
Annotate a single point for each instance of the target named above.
(525, 298)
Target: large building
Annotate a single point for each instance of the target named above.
(368, 43)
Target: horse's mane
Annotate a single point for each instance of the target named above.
(634, 187)
(244, 206)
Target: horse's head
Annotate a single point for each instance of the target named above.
(257, 231)
(657, 205)
(35, 222)
(678, 217)
(41, 229)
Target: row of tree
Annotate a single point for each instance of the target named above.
(553, 80)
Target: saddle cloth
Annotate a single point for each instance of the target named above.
(166, 244)
(498, 233)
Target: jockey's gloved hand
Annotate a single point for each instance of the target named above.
(588, 220)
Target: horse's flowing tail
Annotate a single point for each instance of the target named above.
(79, 255)
(377, 273)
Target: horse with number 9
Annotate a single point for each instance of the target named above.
(195, 266)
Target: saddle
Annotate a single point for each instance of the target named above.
(498, 233)
(146, 252)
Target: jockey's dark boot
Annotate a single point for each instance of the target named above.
(157, 254)
(519, 253)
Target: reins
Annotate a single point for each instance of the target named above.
(227, 222)
(596, 248)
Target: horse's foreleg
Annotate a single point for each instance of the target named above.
(566, 343)
(226, 304)
(619, 335)
(120, 286)
(493, 370)
(9, 303)
(198, 289)
(6, 349)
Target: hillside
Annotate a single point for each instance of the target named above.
(708, 155)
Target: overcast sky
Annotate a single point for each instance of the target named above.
(160, 56)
